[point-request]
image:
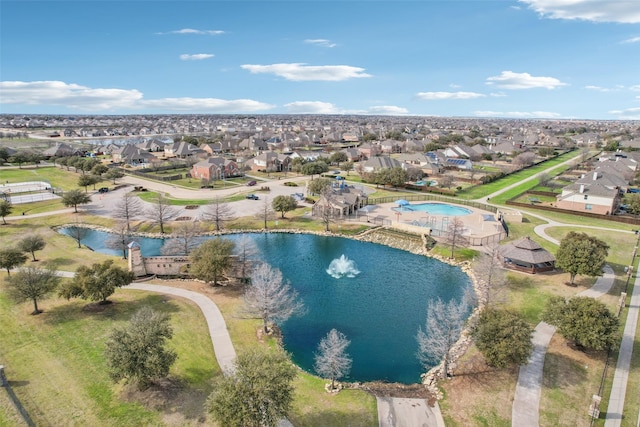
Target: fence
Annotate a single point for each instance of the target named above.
(434, 197)
(615, 218)
(149, 175)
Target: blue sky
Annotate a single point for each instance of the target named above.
(502, 58)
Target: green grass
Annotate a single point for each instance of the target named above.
(346, 408)
(57, 357)
(57, 177)
(479, 191)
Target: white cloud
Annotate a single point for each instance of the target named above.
(627, 114)
(518, 114)
(623, 11)
(195, 56)
(388, 110)
(631, 40)
(82, 98)
(67, 94)
(321, 42)
(448, 95)
(635, 88)
(206, 104)
(303, 72)
(511, 80)
(311, 107)
(454, 86)
(597, 88)
(197, 32)
(497, 94)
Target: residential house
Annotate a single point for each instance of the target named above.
(270, 162)
(380, 162)
(183, 150)
(370, 150)
(353, 154)
(213, 168)
(595, 198)
(59, 150)
(131, 155)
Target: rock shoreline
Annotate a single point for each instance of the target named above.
(381, 236)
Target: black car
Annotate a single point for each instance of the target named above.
(103, 190)
(253, 197)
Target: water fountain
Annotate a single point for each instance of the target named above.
(342, 267)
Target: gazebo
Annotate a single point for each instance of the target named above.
(527, 255)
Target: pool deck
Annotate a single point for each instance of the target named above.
(475, 223)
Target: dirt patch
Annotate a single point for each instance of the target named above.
(382, 389)
(478, 392)
(179, 405)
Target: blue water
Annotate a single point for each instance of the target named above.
(379, 310)
(435, 209)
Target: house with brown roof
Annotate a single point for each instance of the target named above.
(527, 255)
(342, 201)
(215, 168)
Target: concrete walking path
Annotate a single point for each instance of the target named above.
(621, 375)
(526, 400)
(405, 412)
(220, 339)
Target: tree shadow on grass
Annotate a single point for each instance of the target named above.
(118, 309)
(15, 384)
(177, 401)
(566, 366)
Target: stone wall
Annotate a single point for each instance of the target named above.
(165, 265)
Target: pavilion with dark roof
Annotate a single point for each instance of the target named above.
(526, 255)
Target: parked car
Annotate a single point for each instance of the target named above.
(253, 197)
(103, 190)
(251, 183)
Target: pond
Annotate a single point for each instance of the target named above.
(375, 295)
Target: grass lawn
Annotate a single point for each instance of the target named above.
(57, 177)
(56, 358)
(57, 365)
(483, 190)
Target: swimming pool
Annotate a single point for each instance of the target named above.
(431, 183)
(435, 209)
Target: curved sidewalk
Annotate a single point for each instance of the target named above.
(526, 400)
(220, 339)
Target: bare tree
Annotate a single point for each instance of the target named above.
(218, 212)
(446, 181)
(183, 240)
(120, 238)
(162, 212)
(246, 251)
(266, 212)
(269, 297)
(128, 207)
(442, 330)
(544, 178)
(454, 236)
(326, 210)
(523, 160)
(78, 232)
(332, 360)
(491, 277)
